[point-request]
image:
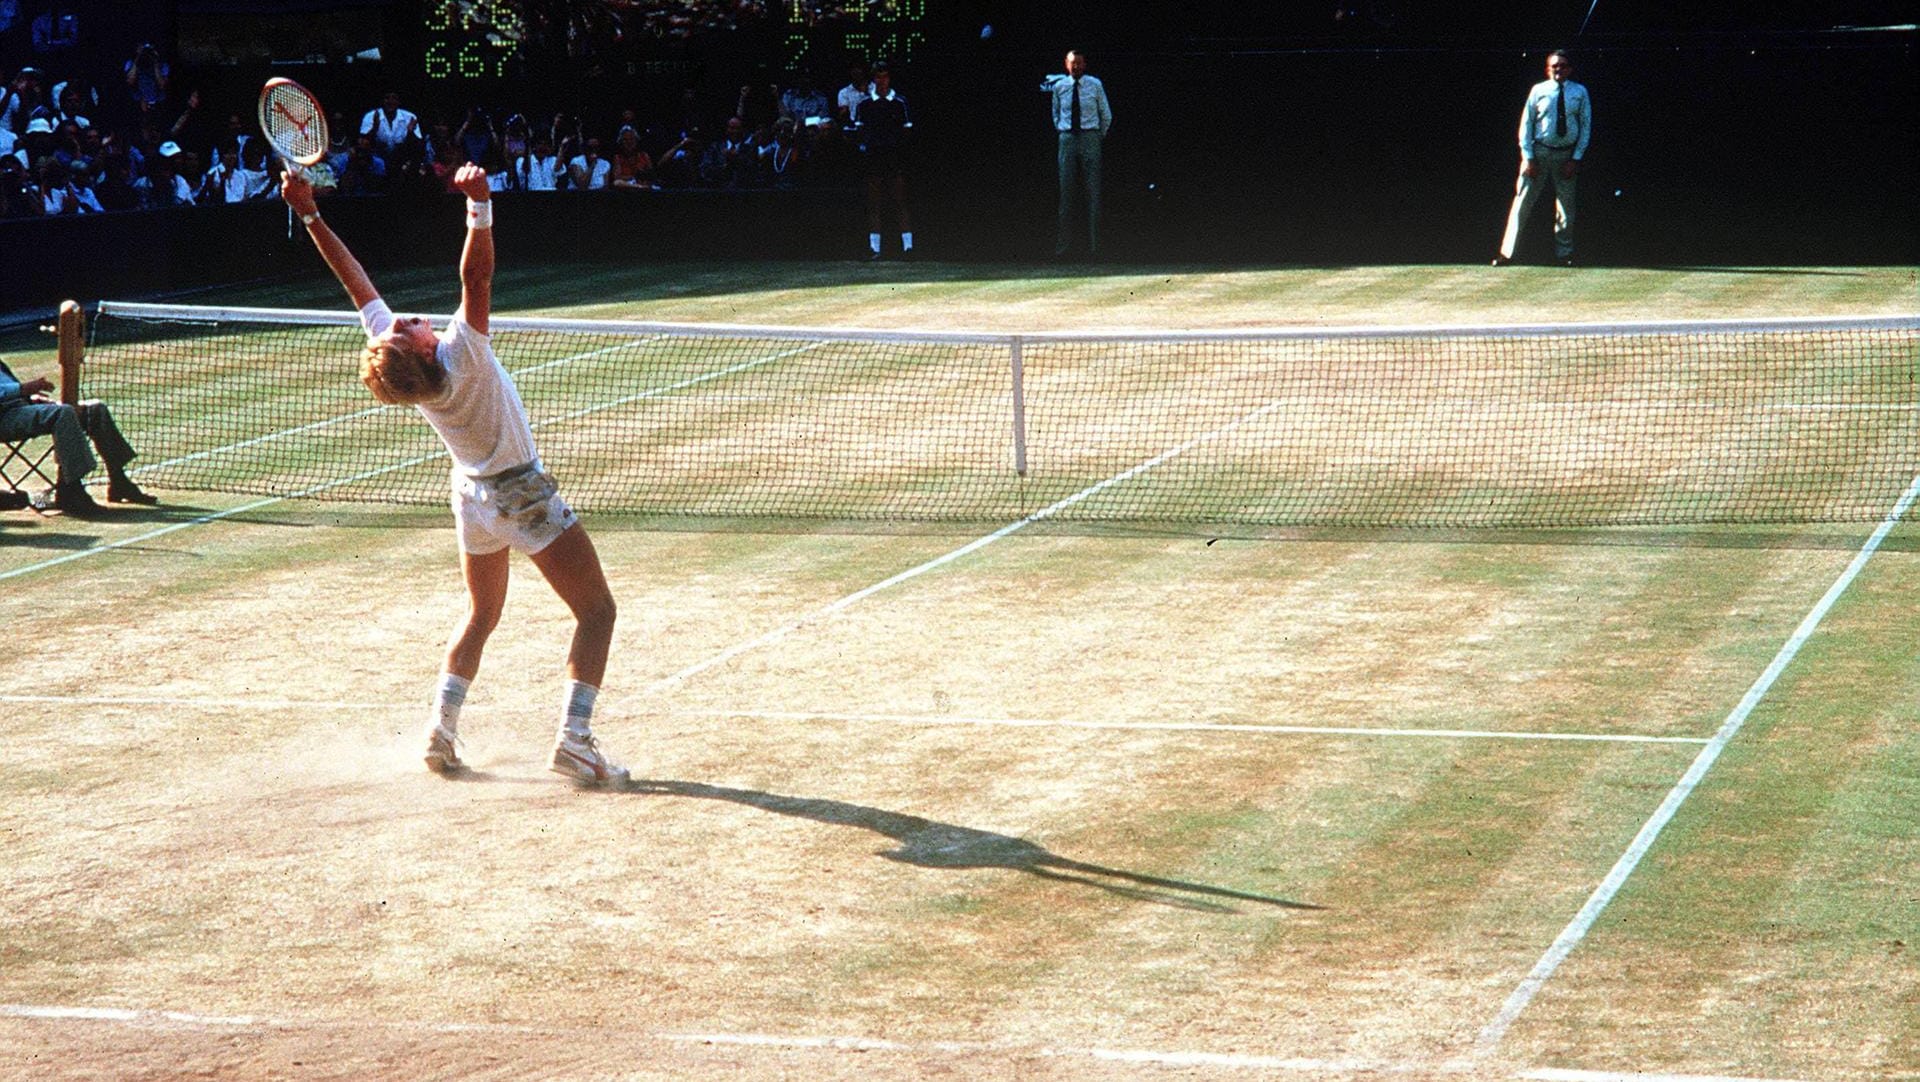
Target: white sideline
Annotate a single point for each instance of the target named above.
(805, 1042)
(927, 720)
(148, 536)
(1570, 937)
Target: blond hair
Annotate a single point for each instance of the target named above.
(399, 376)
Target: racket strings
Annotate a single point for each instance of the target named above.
(293, 123)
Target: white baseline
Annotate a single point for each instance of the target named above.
(168, 1019)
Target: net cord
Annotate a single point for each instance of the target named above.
(321, 317)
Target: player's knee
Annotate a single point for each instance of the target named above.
(603, 611)
(597, 613)
(483, 617)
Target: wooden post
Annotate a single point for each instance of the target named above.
(73, 349)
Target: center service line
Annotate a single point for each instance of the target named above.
(1570, 937)
(781, 632)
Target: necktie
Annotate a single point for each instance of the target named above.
(1076, 103)
(1560, 111)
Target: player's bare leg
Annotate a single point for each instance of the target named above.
(572, 568)
(486, 578)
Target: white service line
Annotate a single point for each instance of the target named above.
(937, 562)
(1178, 726)
(1569, 938)
(925, 720)
(178, 702)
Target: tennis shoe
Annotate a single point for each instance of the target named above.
(580, 757)
(443, 755)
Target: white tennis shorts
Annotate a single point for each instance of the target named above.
(519, 509)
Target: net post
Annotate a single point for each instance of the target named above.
(1018, 366)
(73, 349)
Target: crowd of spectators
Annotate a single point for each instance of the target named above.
(69, 147)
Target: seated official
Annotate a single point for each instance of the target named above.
(26, 411)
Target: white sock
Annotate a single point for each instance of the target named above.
(448, 696)
(579, 707)
(873, 241)
(906, 242)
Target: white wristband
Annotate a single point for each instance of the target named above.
(479, 215)
(309, 219)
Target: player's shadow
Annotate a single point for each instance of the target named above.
(931, 844)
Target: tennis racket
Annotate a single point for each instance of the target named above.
(293, 122)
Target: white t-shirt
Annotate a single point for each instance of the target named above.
(538, 174)
(479, 416)
(389, 132)
(243, 185)
(597, 174)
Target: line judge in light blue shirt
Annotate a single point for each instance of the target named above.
(1082, 118)
(1554, 129)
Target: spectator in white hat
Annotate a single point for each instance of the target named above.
(163, 186)
(37, 143)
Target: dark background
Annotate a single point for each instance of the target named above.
(1769, 132)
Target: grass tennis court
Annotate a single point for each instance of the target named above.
(926, 802)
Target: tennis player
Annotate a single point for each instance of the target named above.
(502, 498)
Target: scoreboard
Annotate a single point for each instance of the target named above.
(892, 30)
(472, 39)
(492, 39)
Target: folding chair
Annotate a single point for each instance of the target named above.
(21, 462)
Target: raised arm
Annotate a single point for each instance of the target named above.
(476, 260)
(298, 194)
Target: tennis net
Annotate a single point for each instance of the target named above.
(1776, 421)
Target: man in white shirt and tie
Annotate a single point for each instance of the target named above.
(1082, 118)
(1554, 129)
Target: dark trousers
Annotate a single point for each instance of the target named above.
(71, 428)
(1079, 167)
